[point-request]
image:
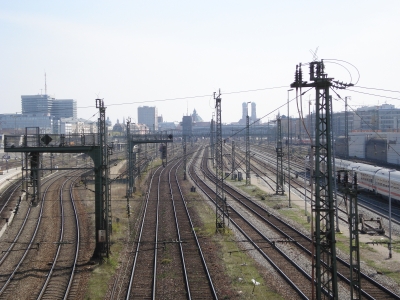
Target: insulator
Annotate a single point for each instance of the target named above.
(318, 70)
(300, 75)
(296, 75)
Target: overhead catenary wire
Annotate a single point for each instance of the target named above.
(375, 95)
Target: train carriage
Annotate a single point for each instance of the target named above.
(373, 178)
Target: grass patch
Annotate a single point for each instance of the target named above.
(166, 261)
(102, 273)
(297, 215)
(394, 274)
(276, 202)
(98, 283)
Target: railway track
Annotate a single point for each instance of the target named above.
(168, 262)
(295, 277)
(371, 288)
(21, 243)
(198, 280)
(36, 263)
(59, 279)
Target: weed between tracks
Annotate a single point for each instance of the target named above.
(238, 266)
(99, 281)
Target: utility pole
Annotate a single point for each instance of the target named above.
(129, 182)
(233, 158)
(324, 231)
(346, 127)
(212, 141)
(186, 133)
(350, 193)
(110, 149)
(247, 146)
(288, 149)
(103, 234)
(280, 190)
(334, 167)
(184, 157)
(220, 201)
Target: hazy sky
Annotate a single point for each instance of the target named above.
(132, 53)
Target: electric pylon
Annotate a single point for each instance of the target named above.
(346, 127)
(184, 157)
(104, 222)
(324, 231)
(129, 181)
(220, 201)
(350, 198)
(212, 141)
(280, 189)
(233, 159)
(247, 150)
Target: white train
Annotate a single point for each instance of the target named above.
(373, 178)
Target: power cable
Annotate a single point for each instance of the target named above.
(387, 97)
(377, 89)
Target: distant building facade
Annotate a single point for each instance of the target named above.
(187, 122)
(16, 123)
(41, 111)
(148, 115)
(253, 112)
(64, 108)
(46, 105)
(195, 116)
(73, 125)
(245, 113)
(118, 127)
(36, 104)
(168, 125)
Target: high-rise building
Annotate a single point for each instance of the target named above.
(148, 115)
(64, 108)
(46, 105)
(244, 111)
(253, 112)
(37, 104)
(187, 125)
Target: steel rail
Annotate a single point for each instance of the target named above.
(11, 276)
(137, 250)
(276, 267)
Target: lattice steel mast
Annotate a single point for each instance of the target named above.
(248, 149)
(129, 181)
(103, 234)
(350, 197)
(233, 157)
(212, 140)
(346, 127)
(220, 200)
(184, 156)
(324, 232)
(280, 189)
